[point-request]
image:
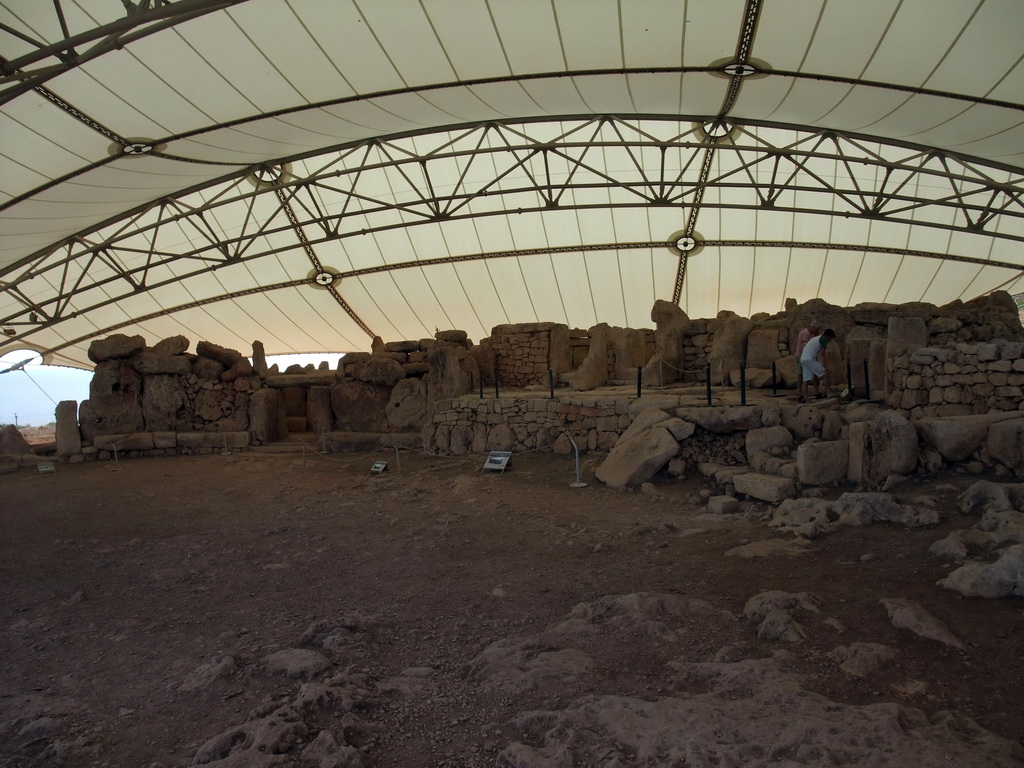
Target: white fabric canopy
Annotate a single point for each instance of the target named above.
(311, 173)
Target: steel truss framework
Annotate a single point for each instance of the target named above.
(508, 168)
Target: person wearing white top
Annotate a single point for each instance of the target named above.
(813, 371)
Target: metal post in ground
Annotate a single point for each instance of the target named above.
(743, 382)
(707, 380)
(551, 383)
(578, 483)
(639, 379)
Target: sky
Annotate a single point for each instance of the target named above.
(29, 396)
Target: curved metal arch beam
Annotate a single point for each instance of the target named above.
(366, 98)
(762, 149)
(140, 21)
(218, 252)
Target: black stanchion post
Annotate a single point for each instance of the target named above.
(743, 382)
(639, 379)
(775, 382)
(707, 379)
(867, 381)
(551, 383)
(496, 393)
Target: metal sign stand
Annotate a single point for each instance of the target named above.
(378, 467)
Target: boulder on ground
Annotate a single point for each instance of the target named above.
(957, 437)
(866, 508)
(764, 487)
(1006, 443)
(12, 441)
(909, 615)
(637, 460)
(822, 463)
(1003, 578)
(886, 445)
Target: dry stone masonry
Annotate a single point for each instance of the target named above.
(929, 385)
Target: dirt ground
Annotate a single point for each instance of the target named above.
(120, 581)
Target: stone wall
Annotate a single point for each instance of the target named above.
(471, 425)
(525, 352)
(958, 380)
(922, 359)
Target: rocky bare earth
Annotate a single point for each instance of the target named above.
(243, 610)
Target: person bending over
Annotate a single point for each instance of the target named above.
(811, 369)
(813, 329)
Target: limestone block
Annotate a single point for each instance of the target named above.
(831, 426)
(866, 508)
(500, 438)
(406, 407)
(764, 487)
(771, 412)
(723, 419)
(559, 350)
(766, 438)
(212, 439)
(670, 333)
(804, 517)
(680, 429)
(229, 358)
(452, 337)
(111, 415)
(629, 350)
(150, 363)
(822, 463)
(729, 347)
(667, 403)
(447, 378)
(644, 421)
(752, 378)
(299, 380)
(67, 436)
(636, 461)
(265, 414)
(319, 417)
(172, 345)
(1003, 578)
(803, 421)
(788, 371)
(1005, 442)
(723, 505)
(593, 372)
(12, 442)
(137, 441)
(167, 439)
(165, 404)
(763, 347)
(115, 347)
(379, 370)
(957, 437)
(206, 369)
(884, 446)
